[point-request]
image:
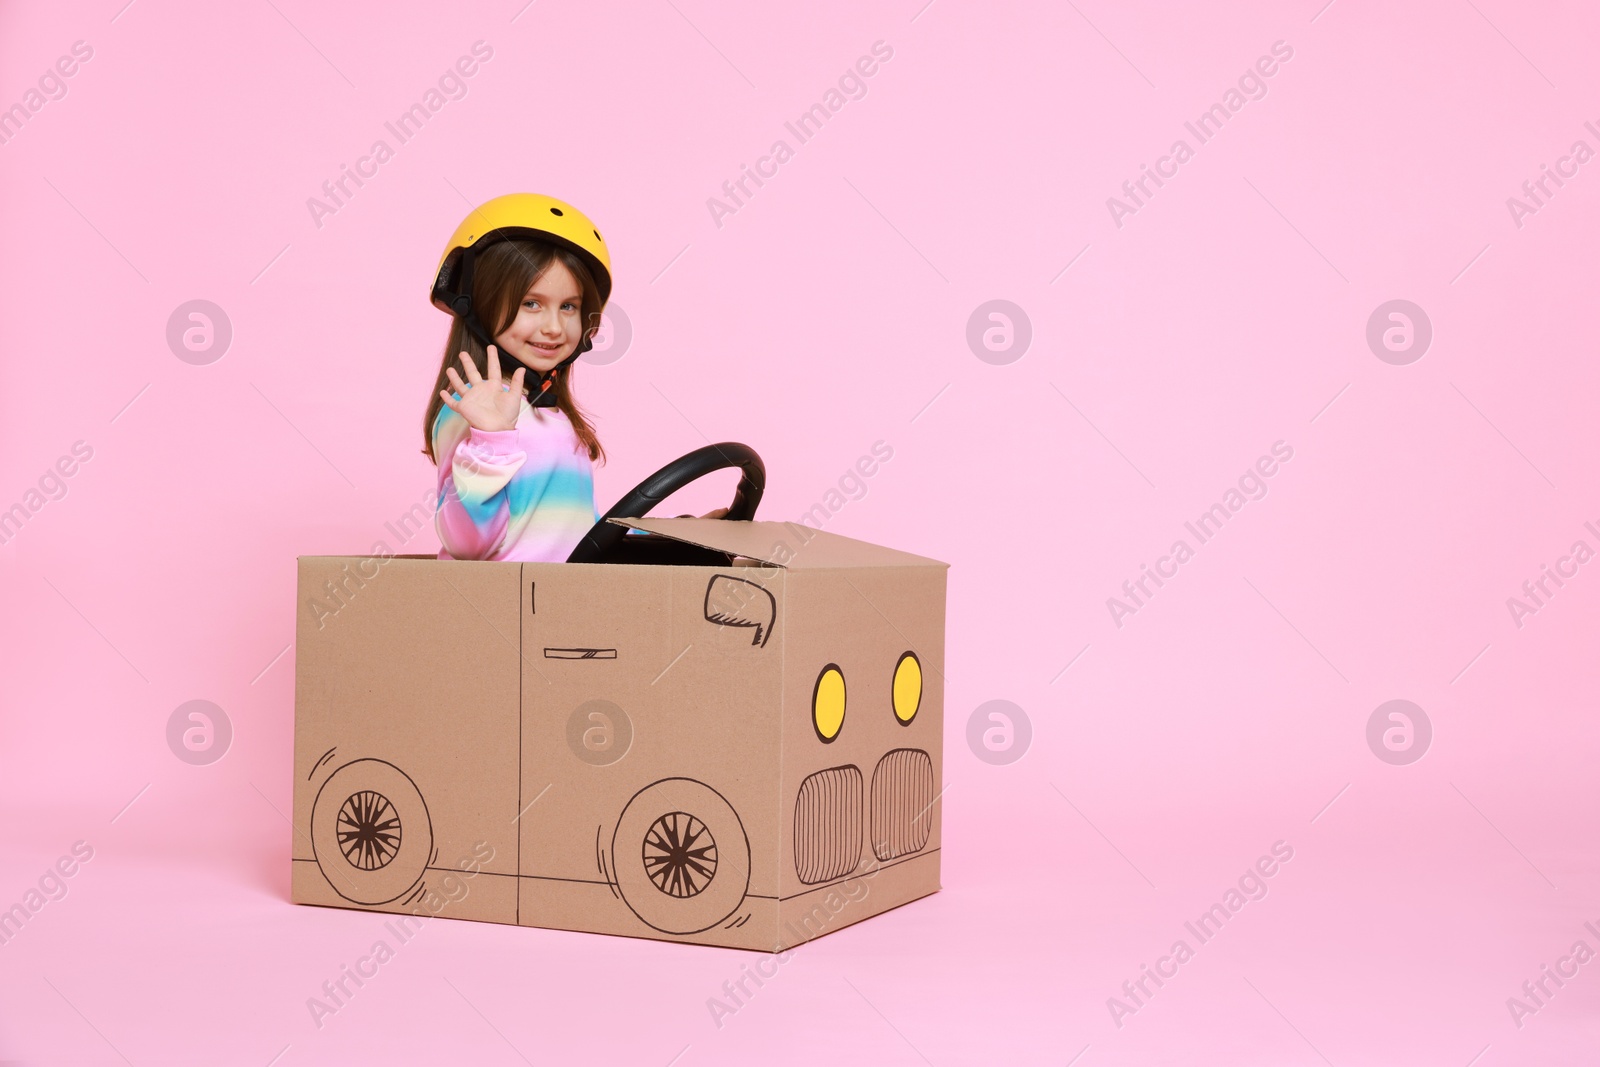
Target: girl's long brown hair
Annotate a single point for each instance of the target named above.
(502, 276)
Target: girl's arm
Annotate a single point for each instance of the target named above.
(475, 467)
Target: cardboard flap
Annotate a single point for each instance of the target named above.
(780, 544)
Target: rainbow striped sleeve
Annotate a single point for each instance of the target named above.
(521, 494)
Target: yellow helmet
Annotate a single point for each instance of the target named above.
(508, 217)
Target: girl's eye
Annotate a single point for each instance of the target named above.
(570, 305)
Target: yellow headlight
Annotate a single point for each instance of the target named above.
(907, 687)
(827, 703)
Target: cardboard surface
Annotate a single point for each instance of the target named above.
(746, 756)
(780, 544)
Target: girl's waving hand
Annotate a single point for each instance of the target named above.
(494, 407)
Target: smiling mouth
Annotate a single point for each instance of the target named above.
(539, 346)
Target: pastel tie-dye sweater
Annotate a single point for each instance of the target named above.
(525, 494)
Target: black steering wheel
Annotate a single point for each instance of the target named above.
(600, 543)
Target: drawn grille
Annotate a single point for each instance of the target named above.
(827, 825)
(902, 803)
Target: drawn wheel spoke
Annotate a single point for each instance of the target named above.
(680, 855)
(368, 830)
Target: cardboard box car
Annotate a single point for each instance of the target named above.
(746, 753)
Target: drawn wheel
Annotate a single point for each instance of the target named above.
(370, 832)
(682, 858)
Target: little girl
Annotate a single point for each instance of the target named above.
(525, 278)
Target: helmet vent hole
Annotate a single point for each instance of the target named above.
(555, 211)
(597, 236)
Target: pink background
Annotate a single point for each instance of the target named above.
(831, 312)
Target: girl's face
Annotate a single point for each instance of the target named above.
(549, 323)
